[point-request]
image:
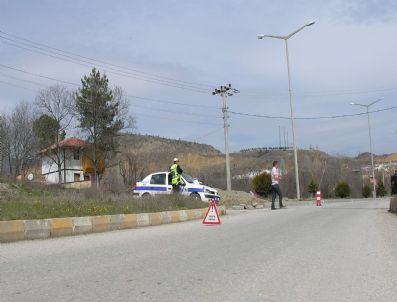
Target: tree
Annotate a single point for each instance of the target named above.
(102, 113)
(366, 191)
(3, 140)
(342, 190)
(312, 187)
(261, 184)
(380, 189)
(19, 143)
(45, 130)
(56, 106)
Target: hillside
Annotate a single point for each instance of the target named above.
(140, 155)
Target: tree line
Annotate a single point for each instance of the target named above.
(99, 112)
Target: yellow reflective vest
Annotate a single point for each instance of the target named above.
(176, 178)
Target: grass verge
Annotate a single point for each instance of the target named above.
(36, 201)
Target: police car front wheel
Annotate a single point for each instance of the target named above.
(195, 196)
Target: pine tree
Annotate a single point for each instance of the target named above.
(312, 187)
(381, 190)
(98, 114)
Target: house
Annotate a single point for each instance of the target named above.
(73, 156)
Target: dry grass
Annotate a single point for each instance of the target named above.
(37, 201)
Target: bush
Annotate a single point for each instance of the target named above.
(342, 190)
(262, 184)
(312, 187)
(381, 190)
(367, 192)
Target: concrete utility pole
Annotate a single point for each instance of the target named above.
(224, 92)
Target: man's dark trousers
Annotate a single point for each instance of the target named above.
(276, 190)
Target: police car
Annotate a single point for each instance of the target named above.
(160, 183)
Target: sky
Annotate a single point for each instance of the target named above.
(168, 56)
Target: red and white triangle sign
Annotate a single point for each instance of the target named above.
(212, 216)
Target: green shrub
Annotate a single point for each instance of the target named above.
(312, 187)
(367, 191)
(262, 184)
(342, 190)
(381, 190)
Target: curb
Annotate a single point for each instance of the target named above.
(393, 205)
(15, 230)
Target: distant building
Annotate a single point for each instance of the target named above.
(251, 174)
(76, 163)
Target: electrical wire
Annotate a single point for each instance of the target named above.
(38, 75)
(103, 62)
(311, 118)
(18, 86)
(75, 84)
(132, 73)
(172, 102)
(178, 112)
(181, 104)
(207, 134)
(176, 120)
(316, 93)
(117, 72)
(23, 80)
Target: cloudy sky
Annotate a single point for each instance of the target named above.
(168, 56)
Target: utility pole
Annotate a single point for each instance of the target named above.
(224, 92)
(279, 136)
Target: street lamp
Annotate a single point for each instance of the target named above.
(285, 38)
(370, 141)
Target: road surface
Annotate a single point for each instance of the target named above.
(345, 251)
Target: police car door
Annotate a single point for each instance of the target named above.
(169, 182)
(158, 183)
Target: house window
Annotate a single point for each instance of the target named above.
(76, 154)
(86, 177)
(76, 177)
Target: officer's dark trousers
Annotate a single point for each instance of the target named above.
(276, 190)
(176, 189)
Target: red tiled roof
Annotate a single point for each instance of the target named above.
(71, 142)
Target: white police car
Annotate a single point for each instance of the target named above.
(160, 183)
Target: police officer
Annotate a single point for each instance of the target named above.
(176, 172)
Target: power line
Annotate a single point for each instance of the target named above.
(75, 84)
(104, 62)
(311, 118)
(18, 86)
(178, 112)
(116, 72)
(176, 120)
(207, 134)
(38, 75)
(171, 102)
(23, 80)
(320, 93)
(72, 58)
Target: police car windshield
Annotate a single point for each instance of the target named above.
(188, 178)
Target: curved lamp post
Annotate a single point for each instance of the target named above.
(370, 141)
(285, 38)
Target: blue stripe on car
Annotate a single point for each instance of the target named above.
(148, 188)
(195, 190)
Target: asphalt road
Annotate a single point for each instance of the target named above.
(340, 252)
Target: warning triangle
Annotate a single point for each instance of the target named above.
(212, 217)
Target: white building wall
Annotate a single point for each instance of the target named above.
(50, 169)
